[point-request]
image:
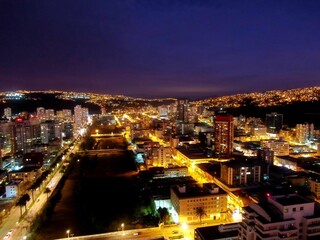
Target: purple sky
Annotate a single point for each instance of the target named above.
(159, 48)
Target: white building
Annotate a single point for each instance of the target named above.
(13, 189)
(290, 217)
(186, 199)
(80, 117)
(7, 112)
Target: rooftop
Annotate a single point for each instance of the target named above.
(291, 199)
(194, 190)
(212, 232)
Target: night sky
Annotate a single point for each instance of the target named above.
(159, 48)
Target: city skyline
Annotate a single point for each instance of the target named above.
(151, 49)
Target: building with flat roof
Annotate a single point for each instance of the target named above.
(243, 172)
(188, 199)
(289, 216)
(274, 122)
(223, 135)
(221, 232)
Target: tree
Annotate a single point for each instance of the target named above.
(200, 213)
(163, 214)
(23, 202)
(20, 203)
(47, 191)
(34, 186)
(26, 198)
(88, 143)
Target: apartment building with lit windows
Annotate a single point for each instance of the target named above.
(187, 198)
(314, 185)
(243, 172)
(223, 135)
(279, 147)
(289, 217)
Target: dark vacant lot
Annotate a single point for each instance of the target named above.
(99, 194)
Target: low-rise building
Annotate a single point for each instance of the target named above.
(187, 200)
(13, 189)
(26, 174)
(243, 172)
(221, 232)
(279, 147)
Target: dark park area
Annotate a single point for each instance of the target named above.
(99, 194)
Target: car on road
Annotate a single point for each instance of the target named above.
(8, 235)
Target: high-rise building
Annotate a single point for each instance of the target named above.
(41, 113)
(223, 135)
(161, 156)
(304, 132)
(80, 117)
(182, 110)
(242, 172)
(48, 131)
(65, 115)
(7, 112)
(266, 154)
(21, 136)
(274, 122)
(49, 114)
(163, 111)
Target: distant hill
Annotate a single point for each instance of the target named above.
(47, 100)
(297, 105)
(293, 113)
(264, 99)
(29, 101)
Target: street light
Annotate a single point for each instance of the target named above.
(122, 228)
(68, 233)
(184, 226)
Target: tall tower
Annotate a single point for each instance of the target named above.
(224, 133)
(80, 118)
(182, 110)
(274, 122)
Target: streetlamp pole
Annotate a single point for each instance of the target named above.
(68, 233)
(122, 228)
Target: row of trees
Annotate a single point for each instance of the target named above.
(164, 215)
(25, 198)
(22, 201)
